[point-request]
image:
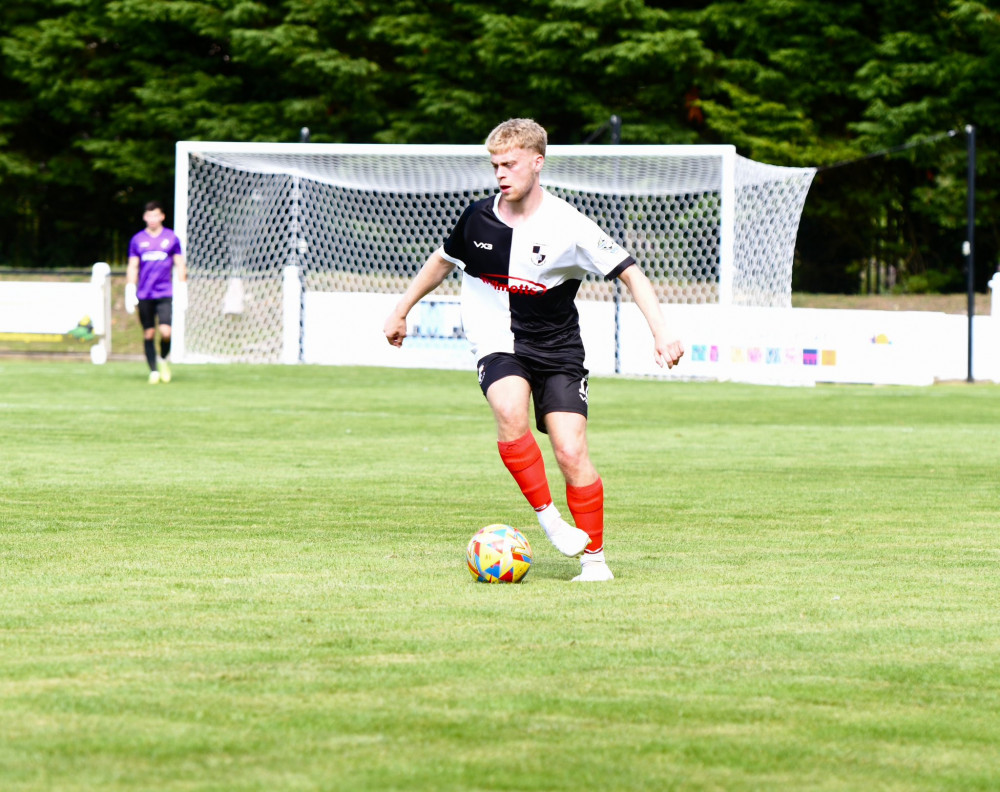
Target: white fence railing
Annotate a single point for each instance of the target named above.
(45, 310)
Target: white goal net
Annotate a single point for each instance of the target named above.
(266, 224)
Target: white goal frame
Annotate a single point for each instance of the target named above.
(748, 241)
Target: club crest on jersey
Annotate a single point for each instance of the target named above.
(537, 255)
(604, 242)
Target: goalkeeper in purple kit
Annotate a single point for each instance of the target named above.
(152, 255)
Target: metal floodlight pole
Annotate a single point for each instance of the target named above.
(969, 248)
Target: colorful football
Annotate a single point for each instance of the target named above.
(499, 554)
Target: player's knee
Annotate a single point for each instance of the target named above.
(512, 422)
(572, 455)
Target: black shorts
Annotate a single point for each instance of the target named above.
(562, 389)
(151, 310)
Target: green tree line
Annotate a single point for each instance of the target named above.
(95, 93)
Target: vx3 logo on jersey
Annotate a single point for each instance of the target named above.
(483, 245)
(509, 283)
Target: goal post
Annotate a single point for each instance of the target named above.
(270, 228)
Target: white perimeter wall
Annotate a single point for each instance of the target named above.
(785, 346)
(56, 308)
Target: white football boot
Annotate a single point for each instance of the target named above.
(164, 368)
(568, 540)
(154, 378)
(593, 569)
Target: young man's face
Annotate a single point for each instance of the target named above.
(154, 218)
(516, 172)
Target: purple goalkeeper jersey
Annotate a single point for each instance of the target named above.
(156, 262)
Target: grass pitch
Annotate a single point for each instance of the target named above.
(253, 579)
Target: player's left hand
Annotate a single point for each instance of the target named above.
(669, 352)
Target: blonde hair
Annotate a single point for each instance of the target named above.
(517, 133)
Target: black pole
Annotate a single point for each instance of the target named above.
(969, 248)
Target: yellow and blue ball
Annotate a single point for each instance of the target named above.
(499, 554)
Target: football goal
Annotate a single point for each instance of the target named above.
(266, 226)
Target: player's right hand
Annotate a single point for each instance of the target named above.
(395, 329)
(131, 299)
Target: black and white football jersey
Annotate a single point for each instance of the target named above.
(519, 284)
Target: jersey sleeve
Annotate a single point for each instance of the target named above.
(599, 252)
(133, 246)
(455, 247)
(175, 248)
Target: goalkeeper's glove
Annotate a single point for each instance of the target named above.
(131, 300)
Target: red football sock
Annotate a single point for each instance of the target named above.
(523, 459)
(586, 504)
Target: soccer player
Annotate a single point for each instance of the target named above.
(523, 253)
(152, 255)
